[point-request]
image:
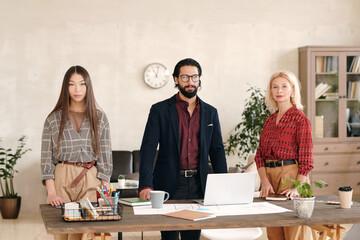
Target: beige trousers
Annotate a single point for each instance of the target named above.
(64, 175)
(277, 177)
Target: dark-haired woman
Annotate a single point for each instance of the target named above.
(76, 147)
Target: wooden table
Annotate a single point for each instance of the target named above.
(323, 215)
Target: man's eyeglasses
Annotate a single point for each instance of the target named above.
(186, 78)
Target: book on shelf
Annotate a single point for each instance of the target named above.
(352, 60)
(349, 90)
(276, 197)
(190, 215)
(356, 91)
(334, 64)
(134, 201)
(319, 62)
(355, 65)
(319, 126)
(328, 63)
(320, 89)
(331, 95)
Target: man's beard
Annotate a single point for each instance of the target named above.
(186, 93)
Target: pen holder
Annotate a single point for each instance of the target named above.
(107, 209)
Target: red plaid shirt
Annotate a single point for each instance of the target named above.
(290, 139)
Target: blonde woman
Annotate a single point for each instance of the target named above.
(286, 147)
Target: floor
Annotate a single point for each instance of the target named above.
(30, 226)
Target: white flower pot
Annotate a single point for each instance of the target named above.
(121, 183)
(304, 206)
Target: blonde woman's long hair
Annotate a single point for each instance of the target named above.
(294, 82)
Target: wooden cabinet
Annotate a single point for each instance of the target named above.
(330, 82)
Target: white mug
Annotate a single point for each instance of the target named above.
(157, 198)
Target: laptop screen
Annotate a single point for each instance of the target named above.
(229, 188)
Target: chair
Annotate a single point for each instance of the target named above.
(232, 233)
(353, 233)
(123, 164)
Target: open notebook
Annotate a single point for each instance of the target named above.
(229, 188)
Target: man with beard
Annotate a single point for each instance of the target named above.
(187, 131)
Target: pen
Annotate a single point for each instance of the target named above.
(116, 201)
(102, 195)
(107, 192)
(328, 202)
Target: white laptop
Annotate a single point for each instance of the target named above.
(229, 188)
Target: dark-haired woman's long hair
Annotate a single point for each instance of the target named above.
(90, 103)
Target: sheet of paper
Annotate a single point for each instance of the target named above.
(167, 208)
(223, 210)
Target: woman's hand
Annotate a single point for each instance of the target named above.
(290, 193)
(266, 189)
(54, 200)
(52, 197)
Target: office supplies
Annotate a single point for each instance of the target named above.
(190, 215)
(276, 197)
(229, 188)
(116, 201)
(328, 202)
(134, 202)
(89, 208)
(72, 210)
(103, 196)
(107, 192)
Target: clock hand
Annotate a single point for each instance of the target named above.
(157, 71)
(154, 72)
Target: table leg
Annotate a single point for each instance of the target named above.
(84, 236)
(296, 232)
(332, 231)
(120, 236)
(314, 234)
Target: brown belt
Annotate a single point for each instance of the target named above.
(86, 167)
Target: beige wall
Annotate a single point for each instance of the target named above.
(236, 41)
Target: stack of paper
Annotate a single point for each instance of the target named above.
(72, 210)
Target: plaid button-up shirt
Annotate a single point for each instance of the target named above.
(75, 146)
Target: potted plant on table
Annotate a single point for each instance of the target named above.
(304, 203)
(10, 202)
(121, 180)
(244, 138)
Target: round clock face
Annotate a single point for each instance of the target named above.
(156, 75)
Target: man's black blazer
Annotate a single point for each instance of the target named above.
(163, 128)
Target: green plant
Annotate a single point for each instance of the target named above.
(304, 188)
(244, 138)
(121, 176)
(8, 161)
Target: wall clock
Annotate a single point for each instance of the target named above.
(156, 75)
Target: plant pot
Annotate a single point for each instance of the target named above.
(121, 183)
(10, 207)
(304, 206)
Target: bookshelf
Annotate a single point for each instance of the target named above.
(330, 81)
